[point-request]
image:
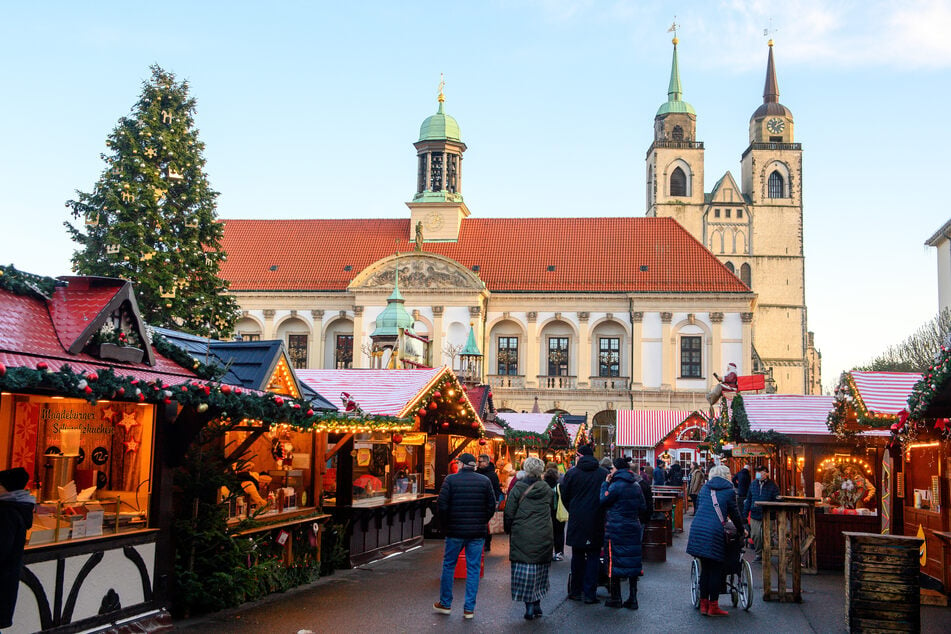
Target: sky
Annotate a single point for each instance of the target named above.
(310, 109)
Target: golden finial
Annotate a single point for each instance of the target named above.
(673, 29)
(768, 31)
(770, 42)
(442, 84)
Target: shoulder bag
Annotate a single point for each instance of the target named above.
(729, 530)
(561, 513)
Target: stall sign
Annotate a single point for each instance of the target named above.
(413, 438)
(749, 450)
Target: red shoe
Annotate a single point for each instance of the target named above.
(704, 606)
(713, 609)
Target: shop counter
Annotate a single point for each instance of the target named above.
(830, 541)
(382, 526)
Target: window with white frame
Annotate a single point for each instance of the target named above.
(691, 361)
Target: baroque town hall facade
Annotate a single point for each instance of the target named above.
(594, 317)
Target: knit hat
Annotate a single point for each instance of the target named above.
(622, 463)
(585, 450)
(14, 479)
(467, 460)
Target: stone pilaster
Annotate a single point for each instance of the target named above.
(533, 351)
(669, 352)
(637, 349)
(437, 336)
(360, 360)
(584, 350)
(268, 332)
(747, 319)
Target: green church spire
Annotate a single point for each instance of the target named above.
(472, 348)
(675, 102)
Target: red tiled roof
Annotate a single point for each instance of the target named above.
(73, 307)
(513, 254)
(27, 337)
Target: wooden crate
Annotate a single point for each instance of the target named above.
(881, 583)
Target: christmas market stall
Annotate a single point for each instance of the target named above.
(543, 436)
(381, 480)
(839, 478)
(924, 438)
(85, 408)
(685, 442)
(641, 432)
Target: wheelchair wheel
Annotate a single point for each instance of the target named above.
(746, 586)
(695, 583)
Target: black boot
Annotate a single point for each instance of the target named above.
(529, 610)
(631, 602)
(615, 600)
(537, 608)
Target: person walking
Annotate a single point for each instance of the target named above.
(16, 517)
(580, 492)
(696, 480)
(528, 517)
(660, 473)
(466, 503)
(707, 540)
(623, 501)
(762, 490)
(675, 475)
(552, 478)
(486, 468)
(742, 483)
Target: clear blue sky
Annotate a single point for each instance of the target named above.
(310, 109)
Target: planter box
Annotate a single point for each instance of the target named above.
(124, 354)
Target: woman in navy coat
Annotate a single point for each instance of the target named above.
(623, 501)
(707, 540)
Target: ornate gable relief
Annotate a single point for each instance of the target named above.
(418, 272)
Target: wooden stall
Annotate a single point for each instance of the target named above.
(542, 435)
(381, 483)
(817, 465)
(671, 435)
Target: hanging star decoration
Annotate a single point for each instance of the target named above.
(150, 152)
(131, 445)
(128, 422)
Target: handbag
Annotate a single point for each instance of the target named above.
(729, 529)
(561, 513)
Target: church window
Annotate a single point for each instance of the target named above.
(435, 172)
(297, 350)
(746, 275)
(716, 213)
(730, 266)
(609, 356)
(678, 182)
(558, 356)
(677, 134)
(690, 358)
(728, 212)
(421, 177)
(777, 185)
(507, 355)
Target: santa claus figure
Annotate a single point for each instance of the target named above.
(728, 384)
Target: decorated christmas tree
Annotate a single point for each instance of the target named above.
(151, 216)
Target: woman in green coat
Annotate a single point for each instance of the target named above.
(528, 513)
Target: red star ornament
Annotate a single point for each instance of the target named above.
(131, 445)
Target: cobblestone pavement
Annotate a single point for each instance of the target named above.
(397, 594)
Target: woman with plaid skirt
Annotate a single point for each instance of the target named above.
(528, 513)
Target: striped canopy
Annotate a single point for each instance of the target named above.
(636, 428)
(885, 392)
(535, 423)
(387, 392)
(792, 414)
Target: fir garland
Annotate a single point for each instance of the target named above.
(933, 380)
(20, 283)
(209, 371)
(848, 407)
(736, 428)
(518, 438)
(229, 402)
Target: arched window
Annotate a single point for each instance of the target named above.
(777, 185)
(677, 134)
(746, 275)
(729, 265)
(678, 182)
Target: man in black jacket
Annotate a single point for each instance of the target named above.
(580, 493)
(466, 503)
(487, 469)
(16, 516)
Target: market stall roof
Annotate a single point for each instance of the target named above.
(793, 414)
(646, 428)
(35, 330)
(535, 423)
(884, 392)
(695, 421)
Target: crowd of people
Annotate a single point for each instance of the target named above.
(599, 509)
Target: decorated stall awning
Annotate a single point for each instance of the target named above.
(643, 428)
(884, 392)
(536, 430)
(792, 414)
(433, 397)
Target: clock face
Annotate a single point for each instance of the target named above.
(433, 221)
(776, 126)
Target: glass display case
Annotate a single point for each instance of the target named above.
(846, 484)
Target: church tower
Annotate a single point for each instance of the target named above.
(438, 202)
(772, 186)
(675, 159)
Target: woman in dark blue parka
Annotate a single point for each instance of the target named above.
(707, 540)
(623, 501)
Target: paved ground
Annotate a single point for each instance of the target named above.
(396, 595)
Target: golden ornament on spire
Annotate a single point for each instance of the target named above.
(442, 84)
(770, 43)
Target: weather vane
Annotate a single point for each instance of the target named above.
(769, 31)
(673, 27)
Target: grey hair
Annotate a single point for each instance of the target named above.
(720, 471)
(533, 467)
(607, 463)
